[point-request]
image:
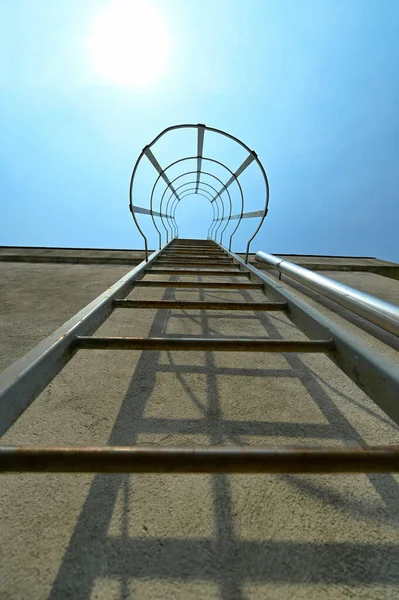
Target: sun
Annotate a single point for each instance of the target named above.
(129, 43)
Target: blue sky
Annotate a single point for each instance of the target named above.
(311, 86)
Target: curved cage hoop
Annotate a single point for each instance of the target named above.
(217, 192)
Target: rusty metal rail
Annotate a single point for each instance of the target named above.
(200, 305)
(180, 263)
(212, 285)
(116, 459)
(194, 261)
(203, 345)
(205, 272)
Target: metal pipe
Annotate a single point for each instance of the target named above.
(382, 313)
(122, 459)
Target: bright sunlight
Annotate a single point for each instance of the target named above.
(129, 43)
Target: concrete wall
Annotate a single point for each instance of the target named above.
(191, 536)
(38, 298)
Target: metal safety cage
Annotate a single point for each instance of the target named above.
(217, 193)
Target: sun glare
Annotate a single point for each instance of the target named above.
(129, 43)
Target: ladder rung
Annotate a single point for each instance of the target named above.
(216, 459)
(193, 251)
(225, 285)
(230, 273)
(193, 257)
(200, 305)
(198, 263)
(203, 344)
(194, 243)
(189, 250)
(190, 258)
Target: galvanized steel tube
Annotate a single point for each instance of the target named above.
(382, 313)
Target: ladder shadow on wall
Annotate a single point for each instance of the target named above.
(220, 557)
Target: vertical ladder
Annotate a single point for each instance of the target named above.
(23, 381)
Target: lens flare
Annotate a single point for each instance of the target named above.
(129, 43)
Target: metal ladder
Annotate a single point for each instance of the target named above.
(21, 383)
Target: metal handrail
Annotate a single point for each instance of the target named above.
(170, 211)
(380, 312)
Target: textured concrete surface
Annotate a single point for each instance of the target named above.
(191, 536)
(36, 299)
